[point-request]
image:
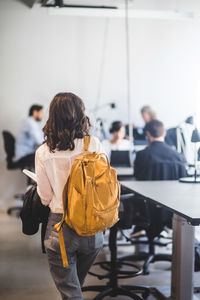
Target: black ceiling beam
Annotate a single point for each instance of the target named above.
(59, 3)
(81, 6)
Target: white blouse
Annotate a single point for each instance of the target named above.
(52, 171)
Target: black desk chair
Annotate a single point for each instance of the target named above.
(115, 268)
(158, 217)
(25, 162)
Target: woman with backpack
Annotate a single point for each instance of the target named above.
(64, 134)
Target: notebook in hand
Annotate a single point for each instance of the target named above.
(30, 174)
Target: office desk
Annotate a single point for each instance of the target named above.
(183, 199)
(124, 171)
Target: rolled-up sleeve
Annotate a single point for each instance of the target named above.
(44, 188)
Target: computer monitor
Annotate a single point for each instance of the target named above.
(120, 158)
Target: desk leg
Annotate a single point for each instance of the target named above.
(183, 260)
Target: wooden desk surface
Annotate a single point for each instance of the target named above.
(180, 198)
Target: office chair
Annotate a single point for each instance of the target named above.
(158, 217)
(114, 268)
(151, 239)
(25, 162)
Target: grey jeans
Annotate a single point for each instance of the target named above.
(81, 254)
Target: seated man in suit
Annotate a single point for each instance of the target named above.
(158, 161)
(158, 153)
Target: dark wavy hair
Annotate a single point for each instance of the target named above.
(115, 126)
(67, 121)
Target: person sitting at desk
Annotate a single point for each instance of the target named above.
(157, 152)
(158, 162)
(139, 134)
(30, 136)
(148, 114)
(118, 141)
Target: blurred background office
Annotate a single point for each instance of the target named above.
(49, 50)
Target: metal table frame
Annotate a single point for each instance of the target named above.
(182, 284)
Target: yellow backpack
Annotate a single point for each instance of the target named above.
(90, 197)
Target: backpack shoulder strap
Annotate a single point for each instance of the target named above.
(86, 143)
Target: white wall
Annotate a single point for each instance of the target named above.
(41, 55)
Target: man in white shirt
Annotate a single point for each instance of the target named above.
(31, 135)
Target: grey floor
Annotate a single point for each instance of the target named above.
(24, 270)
